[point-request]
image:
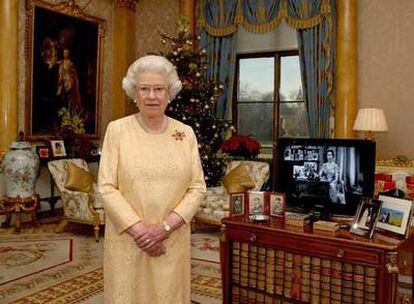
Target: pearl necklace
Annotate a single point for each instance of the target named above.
(147, 129)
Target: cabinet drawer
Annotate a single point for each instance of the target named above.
(344, 252)
(314, 247)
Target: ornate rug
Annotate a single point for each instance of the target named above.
(44, 267)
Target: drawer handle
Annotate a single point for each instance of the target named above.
(253, 238)
(340, 253)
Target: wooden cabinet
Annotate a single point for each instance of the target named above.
(274, 263)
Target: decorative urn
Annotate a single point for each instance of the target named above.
(20, 167)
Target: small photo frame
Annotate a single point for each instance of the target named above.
(42, 151)
(277, 204)
(237, 204)
(256, 202)
(58, 148)
(394, 215)
(96, 150)
(366, 217)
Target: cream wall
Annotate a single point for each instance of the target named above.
(386, 70)
(152, 17)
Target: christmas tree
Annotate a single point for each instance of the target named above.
(195, 104)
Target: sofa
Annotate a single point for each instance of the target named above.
(216, 203)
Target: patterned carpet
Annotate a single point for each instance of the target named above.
(43, 267)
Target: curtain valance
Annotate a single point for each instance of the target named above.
(222, 17)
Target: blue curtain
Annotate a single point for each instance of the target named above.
(221, 59)
(316, 47)
(221, 50)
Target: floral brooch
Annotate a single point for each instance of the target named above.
(178, 135)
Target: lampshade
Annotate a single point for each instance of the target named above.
(370, 119)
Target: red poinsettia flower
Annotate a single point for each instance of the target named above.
(241, 145)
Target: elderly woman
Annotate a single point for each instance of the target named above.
(151, 183)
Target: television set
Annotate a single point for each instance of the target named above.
(325, 176)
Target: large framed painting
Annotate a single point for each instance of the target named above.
(63, 56)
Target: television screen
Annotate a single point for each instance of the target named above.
(325, 175)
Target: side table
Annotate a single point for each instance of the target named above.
(17, 206)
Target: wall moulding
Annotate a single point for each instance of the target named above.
(129, 4)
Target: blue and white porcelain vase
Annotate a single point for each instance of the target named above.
(20, 167)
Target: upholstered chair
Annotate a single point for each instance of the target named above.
(216, 203)
(78, 206)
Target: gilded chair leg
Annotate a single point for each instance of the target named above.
(62, 226)
(96, 231)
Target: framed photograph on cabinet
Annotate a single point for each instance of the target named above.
(394, 215)
(237, 204)
(256, 201)
(366, 217)
(277, 204)
(63, 48)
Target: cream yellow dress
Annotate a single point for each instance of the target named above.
(144, 176)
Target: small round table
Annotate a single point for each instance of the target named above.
(17, 206)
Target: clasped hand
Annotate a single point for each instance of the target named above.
(150, 238)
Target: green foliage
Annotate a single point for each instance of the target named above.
(71, 119)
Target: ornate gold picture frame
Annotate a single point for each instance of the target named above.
(63, 61)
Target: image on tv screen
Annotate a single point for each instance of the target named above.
(321, 172)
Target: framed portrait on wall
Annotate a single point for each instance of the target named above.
(63, 47)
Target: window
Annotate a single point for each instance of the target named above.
(258, 109)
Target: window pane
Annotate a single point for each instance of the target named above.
(293, 120)
(256, 79)
(256, 118)
(290, 82)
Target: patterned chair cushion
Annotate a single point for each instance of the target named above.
(258, 171)
(58, 170)
(216, 203)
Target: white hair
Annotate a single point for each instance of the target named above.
(156, 64)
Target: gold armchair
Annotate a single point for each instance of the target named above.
(78, 207)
